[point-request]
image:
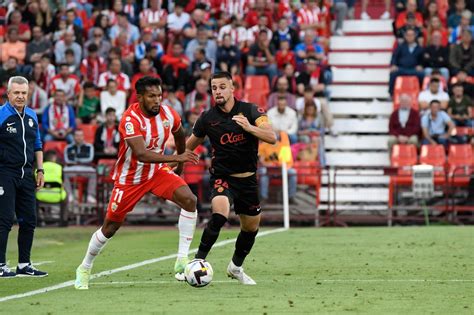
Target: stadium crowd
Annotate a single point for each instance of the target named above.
(83, 57)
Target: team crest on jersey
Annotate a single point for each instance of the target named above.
(114, 206)
(166, 123)
(129, 129)
(30, 122)
(128, 118)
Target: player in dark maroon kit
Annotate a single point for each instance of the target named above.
(234, 129)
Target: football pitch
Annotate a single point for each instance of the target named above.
(413, 270)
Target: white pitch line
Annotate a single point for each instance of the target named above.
(124, 268)
(153, 282)
(39, 263)
(396, 280)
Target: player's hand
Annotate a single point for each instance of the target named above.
(243, 122)
(188, 156)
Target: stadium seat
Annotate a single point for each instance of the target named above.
(89, 132)
(257, 98)
(434, 154)
(238, 86)
(426, 82)
(57, 146)
(464, 131)
(460, 164)
(193, 175)
(404, 84)
(403, 157)
(257, 83)
(309, 173)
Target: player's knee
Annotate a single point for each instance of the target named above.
(217, 222)
(110, 228)
(189, 203)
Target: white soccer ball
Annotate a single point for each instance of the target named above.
(198, 273)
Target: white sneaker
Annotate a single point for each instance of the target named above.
(238, 273)
(385, 15)
(364, 16)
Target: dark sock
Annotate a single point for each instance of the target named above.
(210, 234)
(243, 245)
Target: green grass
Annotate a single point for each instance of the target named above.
(297, 271)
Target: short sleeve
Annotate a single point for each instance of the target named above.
(258, 116)
(199, 129)
(176, 120)
(424, 121)
(129, 127)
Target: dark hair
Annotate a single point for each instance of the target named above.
(457, 84)
(221, 74)
(69, 51)
(434, 101)
(48, 155)
(110, 110)
(280, 97)
(63, 65)
(122, 14)
(111, 81)
(199, 97)
(434, 80)
(89, 85)
(92, 48)
(60, 91)
(145, 82)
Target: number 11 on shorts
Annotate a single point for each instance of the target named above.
(118, 194)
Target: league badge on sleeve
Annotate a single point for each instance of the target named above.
(129, 129)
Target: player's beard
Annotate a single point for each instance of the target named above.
(221, 102)
(153, 110)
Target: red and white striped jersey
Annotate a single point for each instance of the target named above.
(235, 7)
(307, 16)
(151, 16)
(155, 132)
(123, 81)
(71, 86)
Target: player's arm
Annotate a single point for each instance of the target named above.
(193, 142)
(180, 143)
(262, 130)
(137, 144)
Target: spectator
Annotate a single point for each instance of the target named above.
(115, 73)
(74, 24)
(228, 56)
(436, 56)
(16, 21)
(289, 73)
(269, 159)
(175, 65)
(404, 125)
(435, 26)
(45, 16)
(155, 18)
(177, 19)
(90, 105)
(311, 131)
(407, 59)
(285, 33)
(384, 16)
(430, 11)
(456, 33)
(102, 21)
(37, 98)
(13, 47)
(307, 49)
(9, 69)
(40, 76)
(202, 40)
(284, 118)
(284, 55)
(308, 17)
(321, 105)
(127, 51)
(199, 60)
(49, 70)
(461, 56)
(252, 32)
(97, 38)
(148, 48)
(259, 9)
(411, 24)
(146, 69)
(67, 43)
(53, 190)
(261, 59)
(172, 101)
(200, 91)
(411, 7)
(236, 32)
(114, 98)
(434, 125)
(461, 77)
(312, 76)
(38, 46)
(107, 137)
(59, 120)
(78, 157)
(459, 107)
(67, 82)
(433, 92)
(124, 26)
(340, 10)
(190, 29)
(71, 62)
(454, 18)
(93, 65)
(281, 91)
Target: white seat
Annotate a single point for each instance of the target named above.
(365, 43)
(361, 125)
(356, 142)
(359, 91)
(370, 26)
(357, 159)
(360, 58)
(356, 194)
(360, 75)
(361, 108)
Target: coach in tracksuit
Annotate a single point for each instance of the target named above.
(20, 146)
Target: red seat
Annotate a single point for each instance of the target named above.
(89, 132)
(257, 98)
(238, 86)
(57, 146)
(257, 83)
(403, 157)
(193, 174)
(404, 84)
(464, 131)
(460, 164)
(434, 154)
(309, 173)
(109, 167)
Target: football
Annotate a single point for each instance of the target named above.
(198, 273)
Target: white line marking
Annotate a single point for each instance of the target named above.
(124, 268)
(396, 280)
(39, 263)
(154, 282)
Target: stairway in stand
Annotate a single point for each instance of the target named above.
(361, 106)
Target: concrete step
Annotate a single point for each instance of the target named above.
(359, 91)
(357, 158)
(371, 26)
(351, 142)
(361, 108)
(360, 58)
(364, 43)
(361, 125)
(356, 194)
(360, 75)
